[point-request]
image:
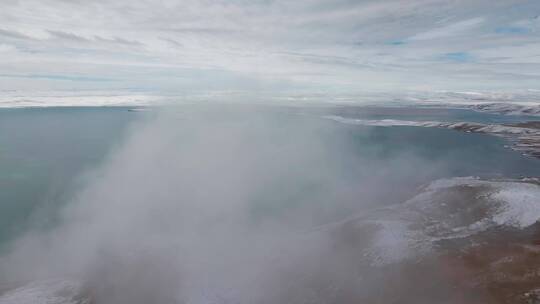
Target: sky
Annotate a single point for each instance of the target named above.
(269, 46)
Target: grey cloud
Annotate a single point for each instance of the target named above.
(67, 36)
(14, 35)
(117, 40)
(202, 30)
(173, 42)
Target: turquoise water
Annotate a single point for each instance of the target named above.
(45, 154)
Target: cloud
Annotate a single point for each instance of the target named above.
(116, 40)
(67, 36)
(13, 34)
(172, 42)
(7, 48)
(303, 45)
(449, 30)
(56, 77)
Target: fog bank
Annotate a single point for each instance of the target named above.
(219, 205)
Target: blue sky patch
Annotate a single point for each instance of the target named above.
(396, 42)
(512, 30)
(457, 57)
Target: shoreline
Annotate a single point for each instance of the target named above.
(524, 137)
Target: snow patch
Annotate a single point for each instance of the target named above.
(521, 205)
(395, 242)
(442, 211)
(45, 292)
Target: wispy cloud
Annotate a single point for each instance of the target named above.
(453, 29)
(67, 36)
(57, 77)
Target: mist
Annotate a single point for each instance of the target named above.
(222, 204)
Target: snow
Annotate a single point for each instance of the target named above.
(508, 108)
(412, 229)
(517, 203)
(395, 242)
(78, 99)
(475, 127)
(521, 204)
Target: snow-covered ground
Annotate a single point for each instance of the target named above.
(446, 209)
(508, 109)
(510, 103)
(17, 99)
